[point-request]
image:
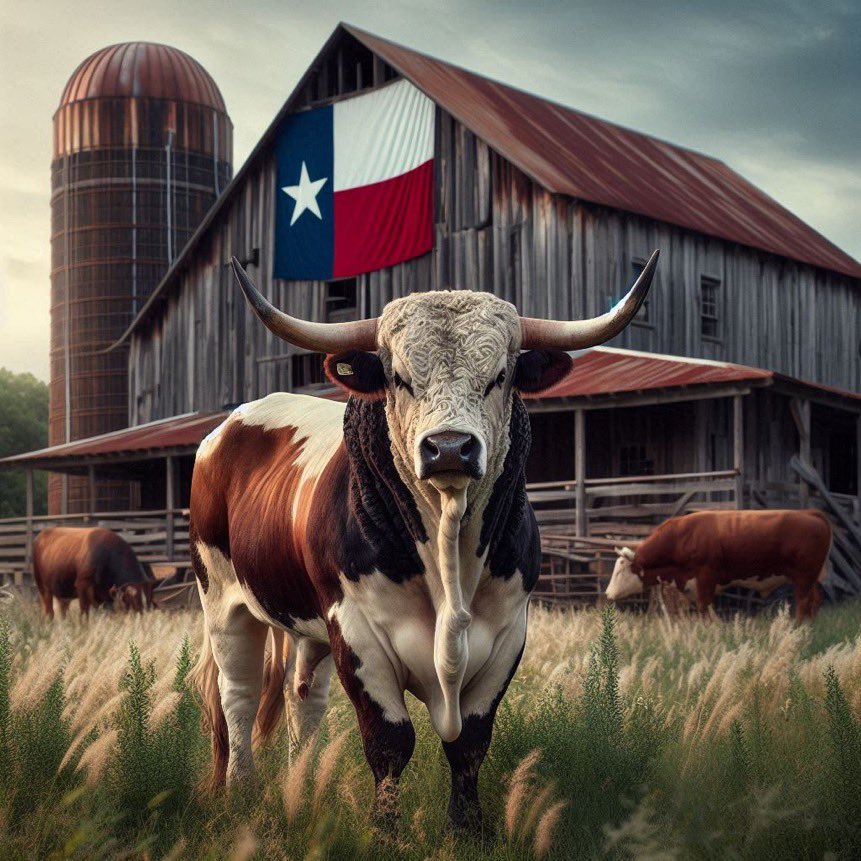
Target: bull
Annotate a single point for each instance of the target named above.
(391, 538)
(708, 551)
(94, 565)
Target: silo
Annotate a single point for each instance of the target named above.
(142, 148)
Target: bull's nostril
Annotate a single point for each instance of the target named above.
(467, 448)
(429, 448)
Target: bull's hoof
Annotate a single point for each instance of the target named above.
(468, 823)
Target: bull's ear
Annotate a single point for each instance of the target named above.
(358, 372)
(538, 370)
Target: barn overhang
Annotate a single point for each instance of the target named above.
(609, 377)
(175, 437)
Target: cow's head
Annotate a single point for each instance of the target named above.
(624, 582)
(446, 364)
(127, 597)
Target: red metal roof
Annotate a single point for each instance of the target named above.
(143, 70)
(607, 370)
(604, 371)
(179, 432)
(572, 153)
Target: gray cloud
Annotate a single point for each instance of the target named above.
(768, 86)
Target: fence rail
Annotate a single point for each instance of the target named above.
(630, 506)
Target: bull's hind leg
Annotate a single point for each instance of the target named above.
(306, 692)
(234, 645)
(238, 643)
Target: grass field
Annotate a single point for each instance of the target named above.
(633, 737)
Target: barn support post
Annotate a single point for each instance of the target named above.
(738, 448)
(800, 409)
(169, 504)
(580, 519)
(28, 550)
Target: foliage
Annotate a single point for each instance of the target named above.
(23, 427)
(621, 737)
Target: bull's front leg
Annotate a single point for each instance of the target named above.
(388, 737)
(479, 703)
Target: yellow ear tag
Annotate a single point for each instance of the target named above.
(344, 370)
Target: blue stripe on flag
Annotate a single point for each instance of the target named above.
(304, 249)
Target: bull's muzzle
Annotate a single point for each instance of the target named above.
(450, 451)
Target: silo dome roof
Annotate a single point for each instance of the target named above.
(144, 70)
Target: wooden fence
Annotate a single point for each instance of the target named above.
(575, 567)
(156, 536)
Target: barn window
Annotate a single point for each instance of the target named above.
(342, 301)
(709, 307)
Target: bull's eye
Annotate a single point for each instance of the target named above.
(401, 383)
(497, 381)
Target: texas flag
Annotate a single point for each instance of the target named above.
(355, 185)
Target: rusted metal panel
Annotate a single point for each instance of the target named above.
(575, 154)
(605, 370)
(142, 70)
(175, 433)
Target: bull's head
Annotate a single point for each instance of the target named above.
(446, 364)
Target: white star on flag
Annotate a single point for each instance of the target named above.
(305, 194)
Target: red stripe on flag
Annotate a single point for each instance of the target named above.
(384, 223)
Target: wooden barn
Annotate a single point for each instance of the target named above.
(737, 384)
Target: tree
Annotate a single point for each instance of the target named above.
(23, 427)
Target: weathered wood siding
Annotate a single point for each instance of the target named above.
(496, 230)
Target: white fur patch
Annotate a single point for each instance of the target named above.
(391, 629)
(210, 442)
(623, 582)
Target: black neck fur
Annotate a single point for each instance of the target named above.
(380, 502)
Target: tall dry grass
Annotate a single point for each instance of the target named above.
(628, 737)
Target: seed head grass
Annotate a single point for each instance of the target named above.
(622, 736)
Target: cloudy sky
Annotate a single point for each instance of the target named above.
(769, 86)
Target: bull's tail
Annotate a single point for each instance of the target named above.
(271, 706)
(204, 678)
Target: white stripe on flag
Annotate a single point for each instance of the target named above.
(381, 135)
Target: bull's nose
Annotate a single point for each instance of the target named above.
(450, 451)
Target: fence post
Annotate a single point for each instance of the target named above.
(738, 448)
(581, 521)
(169, 505)
(28, 551)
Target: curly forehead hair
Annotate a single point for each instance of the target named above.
(424, 323)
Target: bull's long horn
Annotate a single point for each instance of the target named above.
(580, 334)
(319, 337)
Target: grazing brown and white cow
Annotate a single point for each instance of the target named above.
(93, 565)
(710, 550)
(391, 538)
